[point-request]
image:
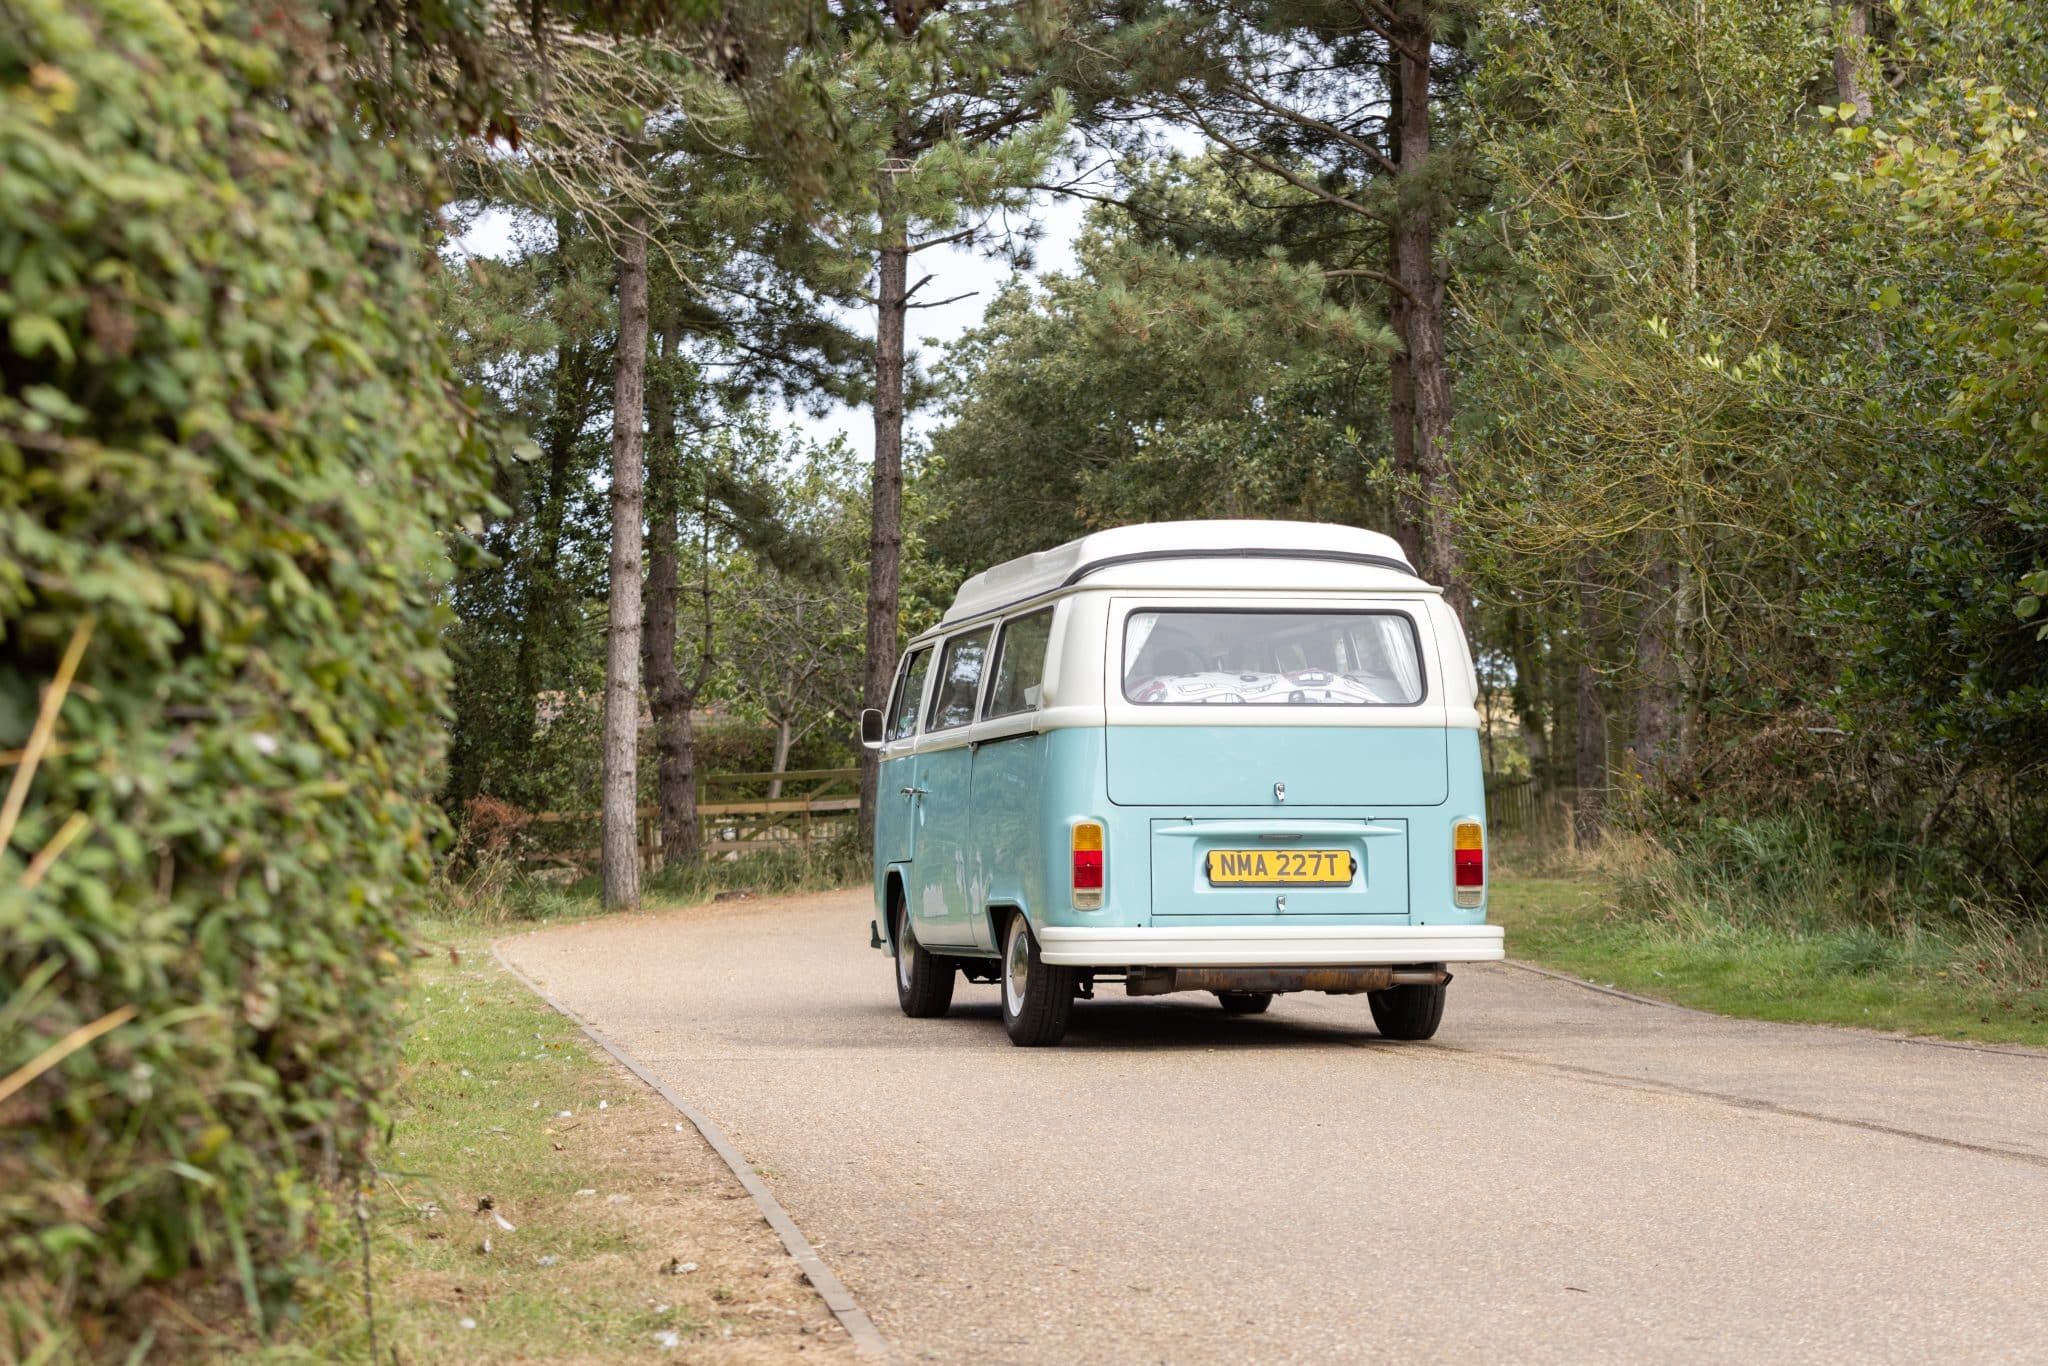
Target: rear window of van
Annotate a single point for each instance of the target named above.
(1200, 656)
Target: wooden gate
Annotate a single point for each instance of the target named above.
(735, 814)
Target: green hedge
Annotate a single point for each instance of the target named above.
(229, 444)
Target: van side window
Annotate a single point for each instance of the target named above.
(959, 680)
(1020, 665)
(909, 691)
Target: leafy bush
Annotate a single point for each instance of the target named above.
(228, 448)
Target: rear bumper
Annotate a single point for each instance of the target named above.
(1267, 946)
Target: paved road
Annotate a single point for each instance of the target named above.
(1561, 1175)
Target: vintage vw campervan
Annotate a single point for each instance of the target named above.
(1237, 757)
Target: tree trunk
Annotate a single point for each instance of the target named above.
(1687, 642)
(1657, 662)
(785, 711)
(781, 765)
(885, 534)
(619, 853)
(1853, 24)
(1564, 716)
(1400, 378)
(668, 698)
(1590, 812)
(1527, 697)
(1408, 505)
(1423, 308)
(679, 798)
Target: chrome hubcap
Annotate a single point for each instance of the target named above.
(904, 945)
(1017, 967)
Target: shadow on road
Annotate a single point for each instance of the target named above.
(1161, 1026)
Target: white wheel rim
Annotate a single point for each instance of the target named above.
(1017, 966)
(905, 943)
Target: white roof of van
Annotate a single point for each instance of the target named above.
(1028, 576)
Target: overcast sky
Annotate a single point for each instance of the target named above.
(954, 271)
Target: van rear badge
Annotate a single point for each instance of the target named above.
(1280, 792)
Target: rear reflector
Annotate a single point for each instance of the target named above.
(1468, 864)
(1087, 870)
(1087, 874)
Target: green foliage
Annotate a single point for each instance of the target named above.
(1634, 299)
(228, 441)
(954, 120)
(1931, 551)
(1971, 183)
(1766, 402)
(772, 528)
(1749, 408)
(736, 300)
(791, 633)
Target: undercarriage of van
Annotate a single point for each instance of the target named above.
(1232, 981)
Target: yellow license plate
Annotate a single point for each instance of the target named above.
(1277, 867)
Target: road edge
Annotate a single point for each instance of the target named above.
(867, 1339)
(2013, 1050)
(1554, 975)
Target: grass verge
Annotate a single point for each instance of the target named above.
(537, 1202)
(491, 888)
(1952, 982)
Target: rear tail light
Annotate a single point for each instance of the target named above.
(1087, 866)
(1468, 864)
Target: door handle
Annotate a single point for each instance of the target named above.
(913, 791)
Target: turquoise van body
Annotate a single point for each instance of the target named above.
(1309, 843)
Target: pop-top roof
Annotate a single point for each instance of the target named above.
(1028, 576)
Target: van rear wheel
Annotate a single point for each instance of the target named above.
(1244, 1002)
(1408, 1013)
(924, 981)
(1038, 998)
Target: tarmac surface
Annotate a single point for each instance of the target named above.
(1559, 1175)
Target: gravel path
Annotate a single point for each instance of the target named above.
(1560, 1175)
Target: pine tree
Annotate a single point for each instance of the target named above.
(952, 113)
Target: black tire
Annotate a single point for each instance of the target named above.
(924, 981)
(1244, 1002)
(1408, 1013)
(1037, 1014)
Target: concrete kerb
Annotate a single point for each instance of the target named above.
(867, 1339)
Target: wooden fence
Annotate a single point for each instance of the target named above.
(735, 815)
(743, 817)
(1522, 808)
